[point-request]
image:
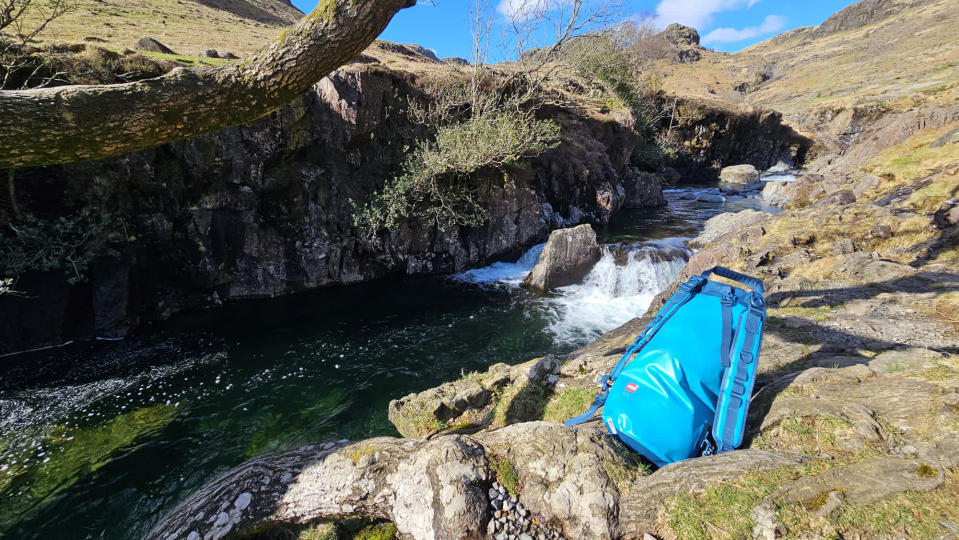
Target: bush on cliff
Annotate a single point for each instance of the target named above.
(468, 134)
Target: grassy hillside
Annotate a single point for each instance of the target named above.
(896, 52)
(186, 26)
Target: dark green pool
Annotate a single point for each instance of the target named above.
(98, 440)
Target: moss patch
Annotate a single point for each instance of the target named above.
(378, 531)
(506, 475)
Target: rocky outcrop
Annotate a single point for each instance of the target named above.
(267, 209)
(711, 137)
(468, 404)
(677, 42)
(681, 35)
(569, 254)
(739, 174)
(643, 189)
(149, 44)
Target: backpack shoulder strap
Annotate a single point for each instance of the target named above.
(686, 292)
(737, 383)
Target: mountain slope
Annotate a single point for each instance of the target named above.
(187, 26)
(895, 53)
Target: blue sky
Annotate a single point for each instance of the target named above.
(725, 25)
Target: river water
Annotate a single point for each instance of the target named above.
(98, 440)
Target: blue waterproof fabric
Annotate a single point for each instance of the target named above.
(672, 397)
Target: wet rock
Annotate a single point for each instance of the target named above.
(569, 255)
(739, 174)
(643, 189)
(710, 197)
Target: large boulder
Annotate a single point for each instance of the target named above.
(739, 174)
(149, 44)
(568, 256)
(643, 189)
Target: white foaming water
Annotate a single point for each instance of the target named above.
(612, 294)
(785, 177)
(502, 272)
(618, 288)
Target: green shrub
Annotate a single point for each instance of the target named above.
(506, 474)
(67, 243)
(439, 185)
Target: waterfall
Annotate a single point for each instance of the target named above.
(618, 288)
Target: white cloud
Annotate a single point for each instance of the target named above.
(772, 23)
(695, 13)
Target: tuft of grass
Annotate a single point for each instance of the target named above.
(506, 474)
(906, 515)
(723, 510)
(926, 471)
(947, 308)
(520, 402)
(319, 531)
(818, 313)
(811, 435)
(567, 404)
(626, 467)
(378, 531)
(187, 59)
(359, 451)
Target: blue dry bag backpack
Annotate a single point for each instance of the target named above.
(683, 387)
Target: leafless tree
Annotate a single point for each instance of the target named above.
(21, 21)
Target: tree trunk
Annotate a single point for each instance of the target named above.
(72, 123)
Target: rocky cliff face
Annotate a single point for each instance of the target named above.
(265, 209)
(709, 137)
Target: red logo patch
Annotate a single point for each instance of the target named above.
(631, 387)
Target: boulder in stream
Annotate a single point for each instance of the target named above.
(739, 174)
(569, 254)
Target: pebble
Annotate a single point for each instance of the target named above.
(513, 521)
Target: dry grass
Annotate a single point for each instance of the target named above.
(888, 63)
(812, 436)
(187, 27)
(907, 515)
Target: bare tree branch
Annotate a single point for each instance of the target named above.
(72, 123)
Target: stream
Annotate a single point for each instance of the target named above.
(98, 440)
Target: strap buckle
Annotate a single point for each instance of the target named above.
(692, 284)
